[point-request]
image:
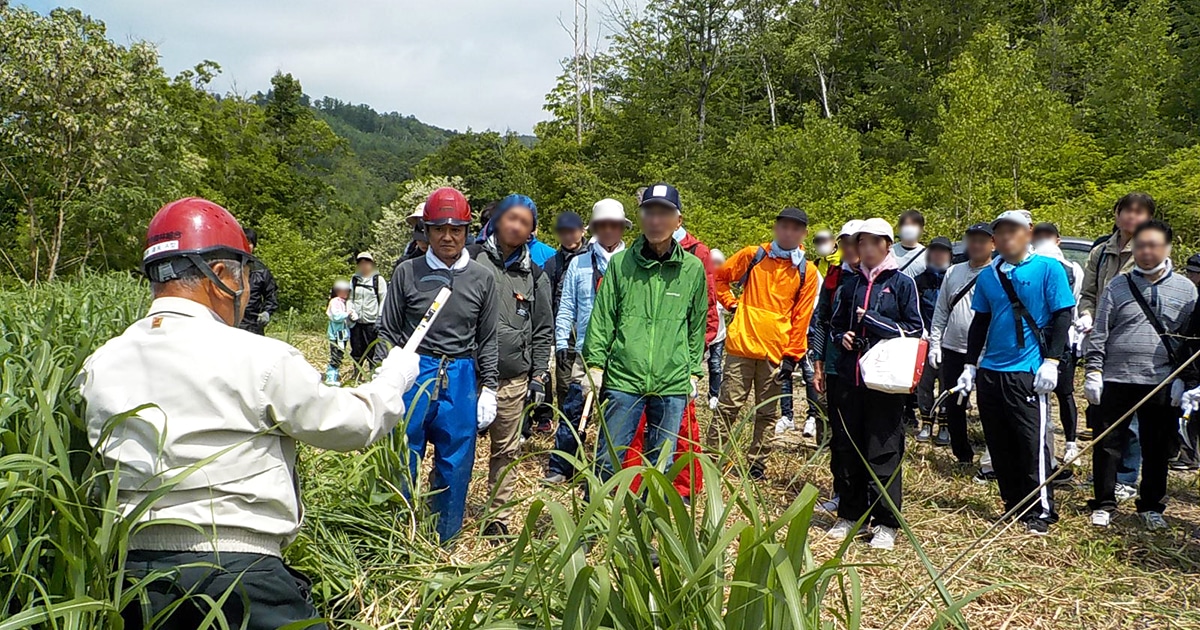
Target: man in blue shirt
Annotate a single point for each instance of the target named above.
(1022, 307)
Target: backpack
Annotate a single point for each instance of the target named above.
(761, 254)
(374, 285)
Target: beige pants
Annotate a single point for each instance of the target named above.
(505, 434)
(742, 377)
(579, 375)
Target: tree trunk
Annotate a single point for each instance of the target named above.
(56, 242)
(770, 89)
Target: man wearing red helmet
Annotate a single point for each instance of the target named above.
(185, 401)
(459, 374)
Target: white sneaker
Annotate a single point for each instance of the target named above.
(1101, 518)
(554, 480)
(832, 504)
(884, 538)
(1071, 453)
(1125, 492)
(810, 428)
(1154, 521)
(841, 529)
(712, 403)
(783, 425)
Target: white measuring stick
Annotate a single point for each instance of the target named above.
(587, 411)
(418, 334)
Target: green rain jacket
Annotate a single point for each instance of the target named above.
(648, 322)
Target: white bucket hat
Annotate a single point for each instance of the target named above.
(609, 210)
(417, 216)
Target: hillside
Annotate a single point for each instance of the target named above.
(388, 145)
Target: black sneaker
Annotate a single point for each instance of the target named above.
(495, 530)
(544, 427)
(1066, 478)
(943, 437)
(984, 478)
(1179, 463)
(1037, 527)
(758, 472)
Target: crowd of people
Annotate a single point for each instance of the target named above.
(628, 330)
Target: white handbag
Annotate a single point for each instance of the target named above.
(894, 366)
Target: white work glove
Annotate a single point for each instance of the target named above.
(400, 368)
(1190, 402)
(353, 315)
(966, 380)
(935, 356)
(784, 425)
(1046, 378)
(264, 317)
(596, 378)
(695, 387)
(1084, 323)
(485, 410)
(1177, 391)
(1093, 386)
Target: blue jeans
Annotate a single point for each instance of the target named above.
(716, 368)
(566, 438)
(810, 391)
(622, 412)
(1131, 454)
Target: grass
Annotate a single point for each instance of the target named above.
(748, 556)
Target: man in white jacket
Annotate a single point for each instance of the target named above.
(184, 401)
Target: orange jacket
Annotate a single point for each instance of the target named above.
(772, 316)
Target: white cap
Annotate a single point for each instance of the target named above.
(850, 228)
(1019, 217)
(609, 210)
(341, 285)
(876, 227)
(716, 256)
(417, 215)
(364, 256)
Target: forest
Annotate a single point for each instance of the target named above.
(843, 108)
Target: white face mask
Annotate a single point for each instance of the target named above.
(825, 248)
(1162, 266)
(1042, 244)
(910, 232)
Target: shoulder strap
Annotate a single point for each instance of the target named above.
(374, 284)
(597, 274)
(802, 268)
(759, 255)
(691, 249)
(962, 293)
(912, 258)
(1020, 313)
(1154, 320)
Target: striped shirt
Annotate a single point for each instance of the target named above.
(1124, 344)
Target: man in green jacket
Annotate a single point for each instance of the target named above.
(645, 341)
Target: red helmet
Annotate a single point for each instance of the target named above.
(190, 227)
(447, 206)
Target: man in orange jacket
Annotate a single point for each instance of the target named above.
(768, 336)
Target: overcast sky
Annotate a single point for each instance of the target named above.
(483, 64)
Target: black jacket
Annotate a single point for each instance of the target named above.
(929, 283)
(264, 295)
(892, 309)
(524, 317)
(556, 268)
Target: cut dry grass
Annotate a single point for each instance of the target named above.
(1078, 577)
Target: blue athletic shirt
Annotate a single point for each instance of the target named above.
(1041, 284)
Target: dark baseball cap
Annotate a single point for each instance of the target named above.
(1193, 263)
(942, 242)
(568, 221)
(1045, 227)
(664, 194)
(792, 214)
(980, 228)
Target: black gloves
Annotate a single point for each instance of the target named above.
(537, 392)
(784, 373)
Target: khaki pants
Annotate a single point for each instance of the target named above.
(579, 375)
(742, 377)
(505, 435)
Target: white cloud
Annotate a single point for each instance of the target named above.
(484, 64)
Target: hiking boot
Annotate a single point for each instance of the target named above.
(495, 530)
(1154, 521)
(1125, 492)
(554, 479)
(1037, 527)
(1064, 479)
(923, 434)
(1101, 518)
(841, 529)
(758, 472)
(943, 437)
(712, 403)
(1071, 453)
(883, 537)
(810, 428)
(984, 477)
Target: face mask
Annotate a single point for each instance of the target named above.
(910, 232)
(937, 268)
(824, 249)
(1042, 244)
(1155, 269)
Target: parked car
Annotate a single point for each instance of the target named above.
(1074, 248)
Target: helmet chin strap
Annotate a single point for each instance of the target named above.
(208, 272)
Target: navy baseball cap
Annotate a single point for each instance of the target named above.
(664, 194)
(568, 221)
(980, 228)
(1045, 227)
(942, 242)
(793, 214)
(1193, 263)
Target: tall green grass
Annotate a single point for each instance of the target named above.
(728, 560)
